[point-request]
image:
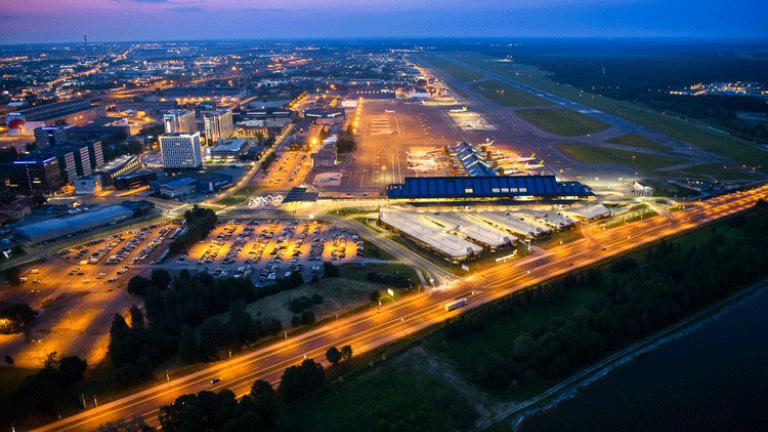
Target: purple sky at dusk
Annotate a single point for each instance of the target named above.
(32, 21)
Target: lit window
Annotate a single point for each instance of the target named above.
(469, 191)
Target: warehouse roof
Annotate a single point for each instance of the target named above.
(73, 222)
(484, 187)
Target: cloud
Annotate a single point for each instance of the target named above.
(187, 9)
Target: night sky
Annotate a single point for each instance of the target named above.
(32, 21)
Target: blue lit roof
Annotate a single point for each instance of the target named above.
(484, 187)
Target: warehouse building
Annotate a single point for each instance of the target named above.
(429, 235)
(55, 228)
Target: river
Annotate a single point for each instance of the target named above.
(714, 378)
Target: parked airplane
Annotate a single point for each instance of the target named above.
(331, 177)
(537, 166)
(458, 110)
(524, 159)
(389, 111)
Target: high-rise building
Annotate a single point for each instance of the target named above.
(180, 121)
(181, 150)
(49, 136)
(218, 125)
(35, 173)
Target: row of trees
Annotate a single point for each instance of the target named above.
(15, 316)
(44, 392)
(200, 222)
(641, 297)
(262, 410)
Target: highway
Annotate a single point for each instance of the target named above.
(375, 328)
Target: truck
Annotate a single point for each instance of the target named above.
(456, 304)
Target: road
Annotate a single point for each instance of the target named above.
(374, 329)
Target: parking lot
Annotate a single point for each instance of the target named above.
(261, 250)
(289, 170)
(265, 251)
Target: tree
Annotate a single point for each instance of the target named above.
(375, 296)
(299, 381)
(330, 270)
(346, 352)
(187, 348)
(333, 355)
(137, 318)
(296, 321)
(160, 278)
(9, 360)
(307, 318)
(38, 200)
(31, 146)
(13, 276)
(71, 370)
(20, 312)
(138, 286)
(261, 389)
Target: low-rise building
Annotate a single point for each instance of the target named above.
(16, 210)
(211, 182)
(135, 180)
(59, 227)
(324, 158)
(88, 185)
(230, 149)
(178, 187)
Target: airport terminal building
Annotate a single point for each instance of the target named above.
(477, 190)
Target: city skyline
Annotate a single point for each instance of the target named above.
(163, 20)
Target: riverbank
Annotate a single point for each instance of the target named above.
(574, 386)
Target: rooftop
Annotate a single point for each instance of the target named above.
(485, 187)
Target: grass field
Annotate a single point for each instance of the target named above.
(370, 402)
(743, 153)
(664, 189)
(722, 173)
(459, 73)
(503, 94)
(232, 200)
(360, 273)
(634, 140)
(454, 89)
(646, 163)
(561, 121)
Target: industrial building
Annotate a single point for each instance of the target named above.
(230, 149)
(181, 150)
(76, 112)
(59, 227)
(180, 121)
(184, 95)
(218, 125)
(486, 189)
